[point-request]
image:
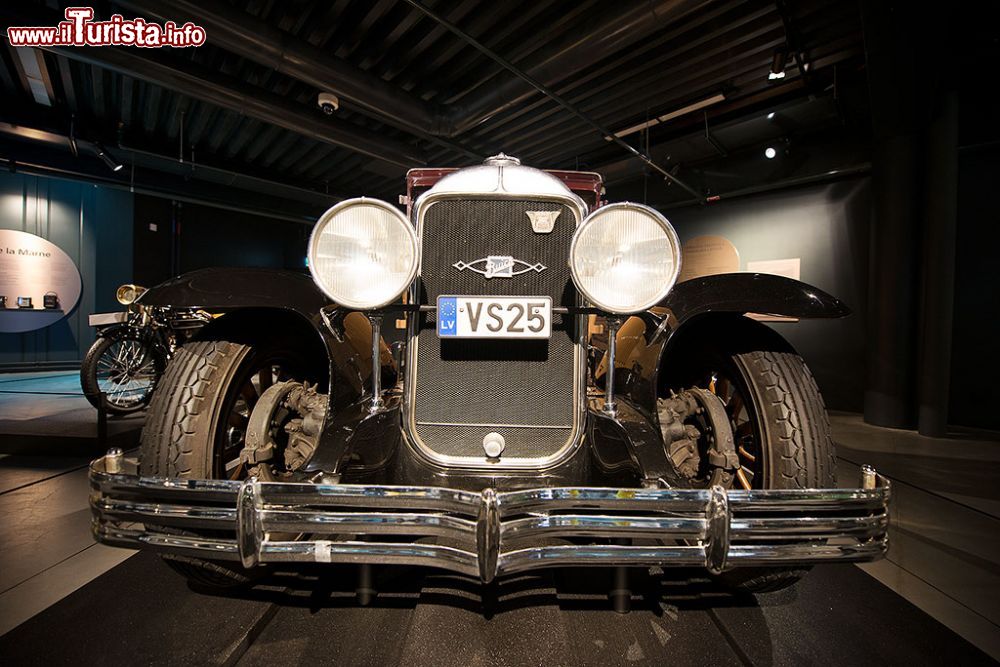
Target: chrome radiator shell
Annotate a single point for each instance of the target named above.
(506, 183)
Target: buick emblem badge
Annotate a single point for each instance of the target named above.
(499, 266)
(542, 222)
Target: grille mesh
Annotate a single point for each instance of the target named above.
(466, 230)
(525, 383)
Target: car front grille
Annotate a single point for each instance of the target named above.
(522, 389)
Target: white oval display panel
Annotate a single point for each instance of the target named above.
(31, 269)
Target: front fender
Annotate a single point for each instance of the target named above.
(265, 302)
(751, 293)
(223, 289)
(646, 340)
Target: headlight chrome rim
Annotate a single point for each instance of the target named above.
(314, 239)
(664, 224)
(128, 293)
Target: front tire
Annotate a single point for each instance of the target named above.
(781, 432)
(197, 421)
(799, 453)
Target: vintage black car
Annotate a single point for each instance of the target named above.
(555, 400)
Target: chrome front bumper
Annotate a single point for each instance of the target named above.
(488, 534)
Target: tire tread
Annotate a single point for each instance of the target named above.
(178, 438)
(794, 414)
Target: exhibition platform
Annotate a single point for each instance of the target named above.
(935, 595)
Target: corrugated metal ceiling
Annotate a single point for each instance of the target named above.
(720, 47)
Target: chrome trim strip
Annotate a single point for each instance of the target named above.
(368, 523)
(202, 547)
(490, 533)
(600, 555)
(192, 516)
(377, 553)
(583, 525)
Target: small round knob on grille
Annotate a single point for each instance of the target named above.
(493, 444)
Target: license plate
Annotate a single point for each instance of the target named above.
(494, 316)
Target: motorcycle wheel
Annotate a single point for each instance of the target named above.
(125, 367)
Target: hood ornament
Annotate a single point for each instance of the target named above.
(502, 160)
(542, 222)
(499, 266)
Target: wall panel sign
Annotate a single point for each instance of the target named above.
(707, 256)
(39, 282)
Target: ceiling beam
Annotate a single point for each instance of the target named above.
(227, 93)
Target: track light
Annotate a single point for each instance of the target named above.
(778, 65)
(113, 164)
(770, 152)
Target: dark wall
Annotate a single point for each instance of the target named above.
(826, 226)
(153, 238)
(974, 391)
(192, 236)
(93, 225)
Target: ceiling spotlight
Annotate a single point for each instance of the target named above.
(113, 164)
(778, 65)
(770, 153)
(770, 116)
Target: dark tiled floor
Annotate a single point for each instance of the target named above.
(47, 413)
(944, 553)
(48, 431)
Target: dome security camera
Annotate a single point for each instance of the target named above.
(328, 102)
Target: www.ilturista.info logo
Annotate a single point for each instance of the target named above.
(79, 29)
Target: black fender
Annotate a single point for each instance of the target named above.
(712, 305)
(719, 303)
(751, 293)
(224, 289)
(261, 302)
(251, 302)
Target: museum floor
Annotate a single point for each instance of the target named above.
(65, 599)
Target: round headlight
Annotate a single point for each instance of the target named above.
(625, 258)
(363, 253)
(127, 294)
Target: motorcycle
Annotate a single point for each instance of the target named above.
(132, 350)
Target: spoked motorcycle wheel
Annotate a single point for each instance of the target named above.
(197, 425)
(123, 366)
(781, 433)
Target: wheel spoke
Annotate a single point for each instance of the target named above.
(238, 420)
(105, 362)
(724, 389)
(249, 394)
(745, 478)
(735, 405)
(265, 378)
